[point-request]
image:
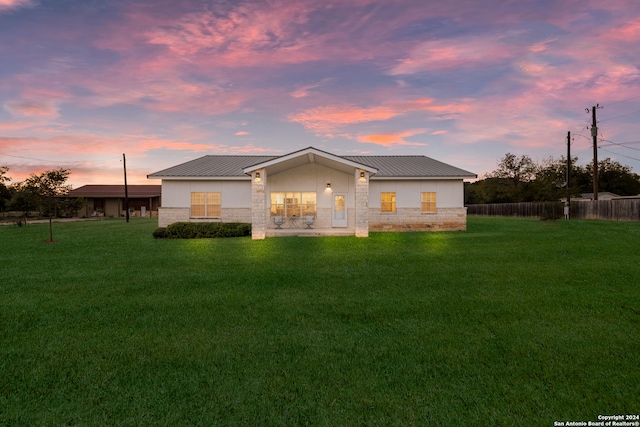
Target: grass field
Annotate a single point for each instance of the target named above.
(514, 322)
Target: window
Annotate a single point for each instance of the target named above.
(293, 203)
(429, 202)
(205, 205)
(388, 202)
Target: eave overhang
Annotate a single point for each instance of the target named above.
(308, 156)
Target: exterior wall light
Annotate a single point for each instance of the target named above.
(257, 175)
(328, 185)
(362, 174)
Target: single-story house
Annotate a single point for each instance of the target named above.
(109, 200)
(316, 192)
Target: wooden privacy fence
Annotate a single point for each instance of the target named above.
(612, 210)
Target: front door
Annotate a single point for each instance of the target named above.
(339, 216)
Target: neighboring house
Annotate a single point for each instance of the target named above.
(602, 195)
(316, 192)
(109, 200)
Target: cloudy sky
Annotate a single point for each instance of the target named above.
(166, 81)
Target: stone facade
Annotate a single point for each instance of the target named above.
(412, 219)
(258, 204)
(362, 203)
(168, 216)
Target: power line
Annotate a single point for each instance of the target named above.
(617, 117)
(621, 144)
(29, 158)
(58, 161)
(623, 100)
(618, 154)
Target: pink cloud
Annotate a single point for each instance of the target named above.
(392, 138)
(449, 53)
(628, 32)
(15, 4)
(307, 90)
(12, 126)
(327, 120)
(242, 133)
(26, 108)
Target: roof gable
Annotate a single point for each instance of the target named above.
(306, 156)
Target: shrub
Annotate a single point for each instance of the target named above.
(198, 230)
(160, 233)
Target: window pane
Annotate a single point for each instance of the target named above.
(197, 210)
(197, 198)
(277, 204)
(214, 210)
(339, 212)
(388, 202)
(309, 203)
(213, 198)
(292, 204)
(206, 204)
(213, 205)
(197, 204)
(429, 202)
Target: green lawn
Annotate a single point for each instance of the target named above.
(514, 322)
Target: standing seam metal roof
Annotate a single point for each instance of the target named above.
(213, 166)
(388, 166)
(410, 166)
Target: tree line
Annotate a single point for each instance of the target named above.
(42, 193)
(520, 179)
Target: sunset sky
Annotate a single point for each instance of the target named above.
(167, 81)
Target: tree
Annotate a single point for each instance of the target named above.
(510, 183)
(517, 169)
(48, 187)
(5, 191)
(616, 178)
(23, 200)
(519, 179)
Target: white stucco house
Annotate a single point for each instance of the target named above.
(316, 192)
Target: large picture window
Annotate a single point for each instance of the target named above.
(428, 202)
(290, 204)
(388, 202)
(205, 205)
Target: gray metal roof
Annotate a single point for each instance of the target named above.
(212, 166)
(410, 167)
(226, 166)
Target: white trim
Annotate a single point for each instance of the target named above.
(310, 152)
(420, 178)
(203, 178)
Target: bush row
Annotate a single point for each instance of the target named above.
(198, 230)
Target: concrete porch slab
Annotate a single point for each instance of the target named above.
(310, 232)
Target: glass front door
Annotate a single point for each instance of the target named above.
(339, 217)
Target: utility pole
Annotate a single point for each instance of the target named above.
(126, 189)
(568, 207)
(594, 134)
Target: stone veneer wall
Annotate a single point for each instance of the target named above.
(412, 219)
(258, 205)
(362, 204)
(167, 216)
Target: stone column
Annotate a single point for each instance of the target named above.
(362, 203)
(258, 204)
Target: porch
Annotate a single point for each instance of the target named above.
(309, 232)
